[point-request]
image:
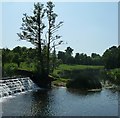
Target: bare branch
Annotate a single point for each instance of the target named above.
(57, 44)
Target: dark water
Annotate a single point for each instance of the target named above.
(62, 102)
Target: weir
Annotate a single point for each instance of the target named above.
(17, 85)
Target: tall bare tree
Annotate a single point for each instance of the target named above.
(32, 30)
(40, 29)
(52, 28)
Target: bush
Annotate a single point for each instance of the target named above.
(9, 69)
(84, 82)
(114, 76)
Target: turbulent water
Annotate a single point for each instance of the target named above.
(12, 86)
(61, 101)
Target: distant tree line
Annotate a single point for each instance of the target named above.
(27, 56)
(17, 55)
(79, 58)
(110, 58)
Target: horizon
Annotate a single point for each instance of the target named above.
(73, 54)
(88, 27)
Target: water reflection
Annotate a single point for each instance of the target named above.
(41, 103)
(82, 92)
(62, 102)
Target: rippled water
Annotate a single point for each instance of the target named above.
(62, 102)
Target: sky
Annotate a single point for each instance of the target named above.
(88, 26)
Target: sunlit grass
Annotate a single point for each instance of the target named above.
(78, 67)
(64, 67)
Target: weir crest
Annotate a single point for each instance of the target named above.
(17, 85)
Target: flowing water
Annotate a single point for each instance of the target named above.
(12, 86)
(59, 101)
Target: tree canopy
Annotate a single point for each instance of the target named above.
(39, 29)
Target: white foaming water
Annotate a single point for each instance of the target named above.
(10, 87)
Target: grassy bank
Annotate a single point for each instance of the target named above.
(65, 73)
(9, 69)
(113, 76)
(64, 67)
(78, 67)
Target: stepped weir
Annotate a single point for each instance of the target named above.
(16, 85)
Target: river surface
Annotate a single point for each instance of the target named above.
(61, 102)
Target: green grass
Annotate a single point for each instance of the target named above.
(29, 67)
(10, 68)
(60, 82)
(114, 76)
(78, 67)
(64, 67)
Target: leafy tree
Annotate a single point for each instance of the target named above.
(16, 59)
(94, 55)
(119, 56)
(83, 58)
(77, 58)
(88, 61)
(9, 70)
(52, 28)
(96, 59)
(54, 59)
(69, 51)
(42, 36)
(68, 55)
(70, 60)
(61, 56)
(7, 56)
(0, 62)
(17, 49)
(110, 58)
(32, 30)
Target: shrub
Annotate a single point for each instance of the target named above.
(9, 69)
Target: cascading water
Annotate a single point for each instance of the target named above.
(12, 86)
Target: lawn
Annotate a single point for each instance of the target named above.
(78, 67)
(62, 80)
(64, 67)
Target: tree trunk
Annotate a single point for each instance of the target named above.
(48, 50)
(39, 46)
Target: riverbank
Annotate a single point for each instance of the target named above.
(78, 76)
(109, 87)
(63, 74)
(60, 82)
(66, 73)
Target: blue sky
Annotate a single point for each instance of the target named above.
(88, 26)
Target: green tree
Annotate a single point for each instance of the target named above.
(119, 56)
(54, 59)
(69, 51)
(68, 56)
(83, 58)
(77, 58)
(52, 28)
(17, 49)
(7, 56)
(96, 59)
(61, 56)
(16, 59)
(94, 55)
(32, 30)
(110, 58)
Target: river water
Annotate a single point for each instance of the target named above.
(61, 102)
